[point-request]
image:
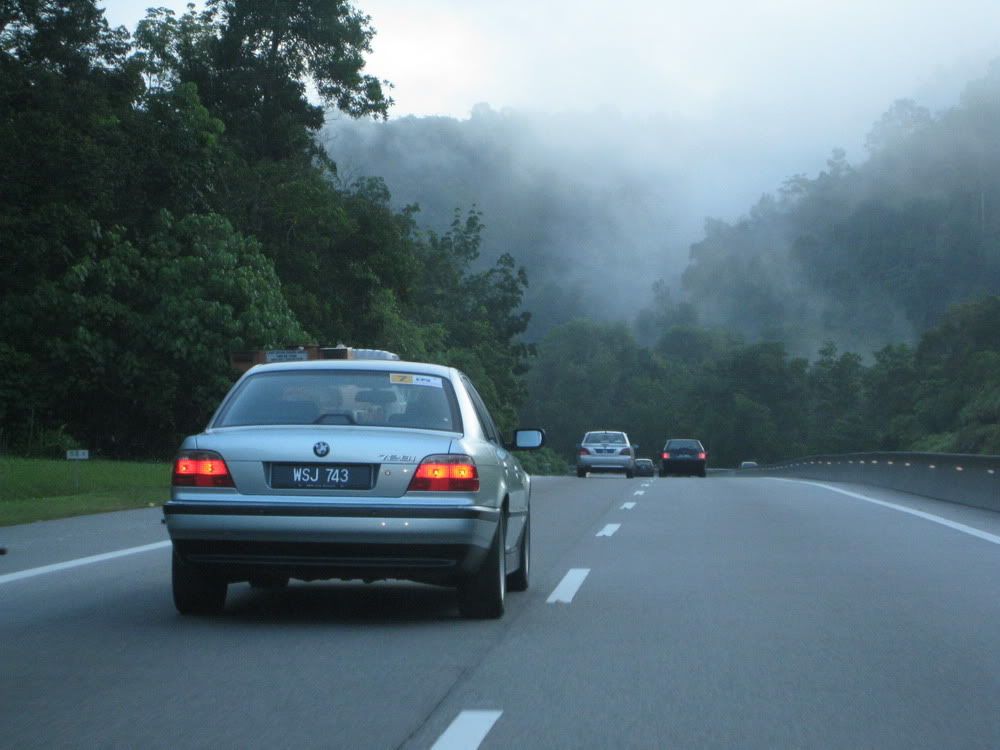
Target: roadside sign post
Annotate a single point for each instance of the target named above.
(76, 456)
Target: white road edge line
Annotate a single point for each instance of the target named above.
(971, 531)
(568, 586)
(609, 530)
(56, 567)
(628, 506)
(467, 731)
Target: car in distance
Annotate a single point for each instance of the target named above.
(644, 467)
(605, 451)
(748, 464)
(683, 456)
(351, 469)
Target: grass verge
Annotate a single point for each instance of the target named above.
(33, 489)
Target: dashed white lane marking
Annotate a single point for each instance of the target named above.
(985, 536)
(644, 484)
(56, 567)
(628, 506)
(639, 492)
(608, 530)
(467, 731)
(568, 586)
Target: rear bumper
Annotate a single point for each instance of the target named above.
(436, 544)
(682, 467)
(605, 463)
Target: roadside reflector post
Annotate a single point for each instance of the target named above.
(76, 456)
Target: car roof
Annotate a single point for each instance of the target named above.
(371, 365)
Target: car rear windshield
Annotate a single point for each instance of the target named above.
(675, 444)
(343, 397)
(605, 437)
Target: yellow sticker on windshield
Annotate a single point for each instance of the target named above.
(405, 379)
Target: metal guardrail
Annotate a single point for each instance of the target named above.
(955, 477)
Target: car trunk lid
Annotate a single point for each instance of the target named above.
(304, 461)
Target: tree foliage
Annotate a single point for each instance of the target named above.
(163, 203)
(756, 401)
(866, 254)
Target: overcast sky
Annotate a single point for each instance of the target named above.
(769, 86)
(697, 107)
(816, 70)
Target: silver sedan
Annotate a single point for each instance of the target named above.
(351, 469)
(605, 451)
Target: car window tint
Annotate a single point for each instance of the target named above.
(675, 444)
(343, 397)
(485, 420)
(605, 437)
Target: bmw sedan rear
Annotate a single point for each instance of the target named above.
(353, 470)
(603, 451)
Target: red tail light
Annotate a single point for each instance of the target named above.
(201, 469)
(702, 456)
(625, 452)
(446, 473)
(666, 454)
(583, 452)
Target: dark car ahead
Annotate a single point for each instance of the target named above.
(644, 467)
(683, 456)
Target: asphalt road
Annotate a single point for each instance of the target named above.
(713, 613)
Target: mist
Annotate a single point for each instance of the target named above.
(600, 205)
(597, 205)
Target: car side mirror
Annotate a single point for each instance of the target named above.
(526, 440)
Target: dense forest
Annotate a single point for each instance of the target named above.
(755, 401)
(163, 202)
(168, 195)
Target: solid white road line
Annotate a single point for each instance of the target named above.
(608, 530)
(985, 536)
(568, 586)
(56, 567)
(467, 731)
(639, 492)
(628, 506)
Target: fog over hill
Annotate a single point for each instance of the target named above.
(597, 205)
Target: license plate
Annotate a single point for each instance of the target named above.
(321, 477)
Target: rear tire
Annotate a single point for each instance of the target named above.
(663, 474)
(629, 474)
(482, 596)
(518, 580)
(196, 592)
(581, 473)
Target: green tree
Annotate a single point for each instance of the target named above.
(145, 332)
(251, 62)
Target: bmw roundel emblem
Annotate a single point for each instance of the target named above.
(321, 449)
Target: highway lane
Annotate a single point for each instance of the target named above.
(724, 612)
